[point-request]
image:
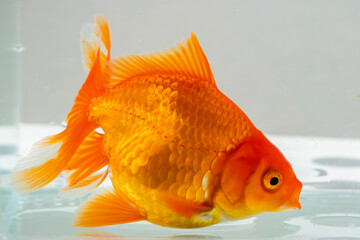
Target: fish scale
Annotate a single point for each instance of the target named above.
(164, 134)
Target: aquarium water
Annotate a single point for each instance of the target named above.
(329, 169)
(292, 66)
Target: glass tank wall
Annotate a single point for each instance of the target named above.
(10, 52)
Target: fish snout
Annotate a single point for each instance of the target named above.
(293, 202)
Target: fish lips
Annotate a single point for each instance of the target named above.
(293, 201)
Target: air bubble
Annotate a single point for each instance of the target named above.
(18, 47)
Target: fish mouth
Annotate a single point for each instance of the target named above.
(293, 202)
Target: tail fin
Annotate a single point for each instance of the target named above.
(88, 159)
(50, 156)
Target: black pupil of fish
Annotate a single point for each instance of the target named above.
(274, 181)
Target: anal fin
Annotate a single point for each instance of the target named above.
(108, 208)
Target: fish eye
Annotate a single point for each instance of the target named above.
(272, 179)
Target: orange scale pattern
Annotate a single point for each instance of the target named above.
(167, 134)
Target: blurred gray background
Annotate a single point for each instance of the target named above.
(292, 66)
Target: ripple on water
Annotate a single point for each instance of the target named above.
(336, 238)
(338, 161)
(340, 185)
(320, 172)
(8, 149)
(337, 220)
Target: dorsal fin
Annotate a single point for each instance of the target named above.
(93, 36)
(187, 58)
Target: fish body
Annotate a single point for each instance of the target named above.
(168, 134)
(179, 152)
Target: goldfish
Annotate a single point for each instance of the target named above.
(179, 152)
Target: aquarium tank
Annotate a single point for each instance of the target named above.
(291, 66)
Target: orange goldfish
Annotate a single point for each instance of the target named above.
(178, 151)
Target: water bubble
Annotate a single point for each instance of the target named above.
(58, 202)
(18, 47)
(63, 124)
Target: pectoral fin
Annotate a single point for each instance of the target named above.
(183, 207)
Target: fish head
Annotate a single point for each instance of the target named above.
(257, 178)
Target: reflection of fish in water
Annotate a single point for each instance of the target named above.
(179, 152)
(104, 235)
(194, 236)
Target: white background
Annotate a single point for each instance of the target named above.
(292, 66)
